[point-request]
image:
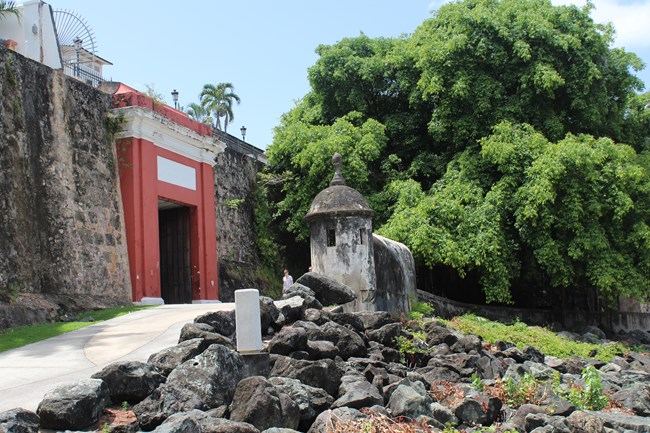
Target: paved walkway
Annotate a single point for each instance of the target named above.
(28, 372)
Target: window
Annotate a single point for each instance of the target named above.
(331, 238)
(362, 235)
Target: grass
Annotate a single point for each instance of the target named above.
(17, 337)
(543, 339)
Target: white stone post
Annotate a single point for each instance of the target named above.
(247, 317)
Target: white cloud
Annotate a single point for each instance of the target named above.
(630, 18)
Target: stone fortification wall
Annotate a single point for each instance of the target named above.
(613, 322)
(235, 183)
(395, 272)
(60, 209)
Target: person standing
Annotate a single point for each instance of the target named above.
(287, 280)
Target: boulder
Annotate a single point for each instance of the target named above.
(518, 417)
(288, 340)
(573, 365)
(465, 344)
(311, 401)
(348, 342)
(323, 373)
(130, 381)
(554, 404)
(330, 418)
(168, 359)
(637, 336)
(377, 376)
(438, 333)
(196, 421)
(635, 398)
(595, 331)
(540, 371)
(443, 414)
(588, 337)
(350, 320)
(513, 353)
(587, 421)
(386, 334)
(74, 405)
(294, 307)
(328, 291)
(533, 354)
(461, 363)
(258, 402)
(478, 408)
(356, 392)
(410, 399)
(204, 382)
(222, 322)
(19, 421)
(297, 289)
(375, 319)
(432, 374)
(551, 424)
(270, 315)
(317, 316)
(490, 367)
(321, 349)
(206, 332)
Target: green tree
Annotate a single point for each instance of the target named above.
(373, 77)
(636, 131)
(198, 113)
(435, 95)
(8, 7)
(302, 154)
(219, 100)
(579, 207)
(484, 61)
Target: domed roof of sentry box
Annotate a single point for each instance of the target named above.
(338, 199)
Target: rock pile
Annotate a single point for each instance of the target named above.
(329, 367)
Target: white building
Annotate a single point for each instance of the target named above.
(34, 35)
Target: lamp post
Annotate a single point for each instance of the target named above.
(243, 133)
(175, 98)
(77, 47)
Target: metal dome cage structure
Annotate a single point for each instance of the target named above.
(78, 47)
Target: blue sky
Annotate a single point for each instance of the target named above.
(265, 47)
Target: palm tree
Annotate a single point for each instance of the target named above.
(199, 113)
(8, 8)
(219, 100)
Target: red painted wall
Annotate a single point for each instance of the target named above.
(141, 190)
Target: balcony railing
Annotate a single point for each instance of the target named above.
(87, 76)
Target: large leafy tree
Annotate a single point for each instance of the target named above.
(484, 61)
(435, 94)
(302, 156)
(576, 212)
(219, 100)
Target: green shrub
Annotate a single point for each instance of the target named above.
(589, 397)
(521, 334)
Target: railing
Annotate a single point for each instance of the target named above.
(89, 77)
(240, 146)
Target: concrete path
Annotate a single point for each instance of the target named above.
(28, 372)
